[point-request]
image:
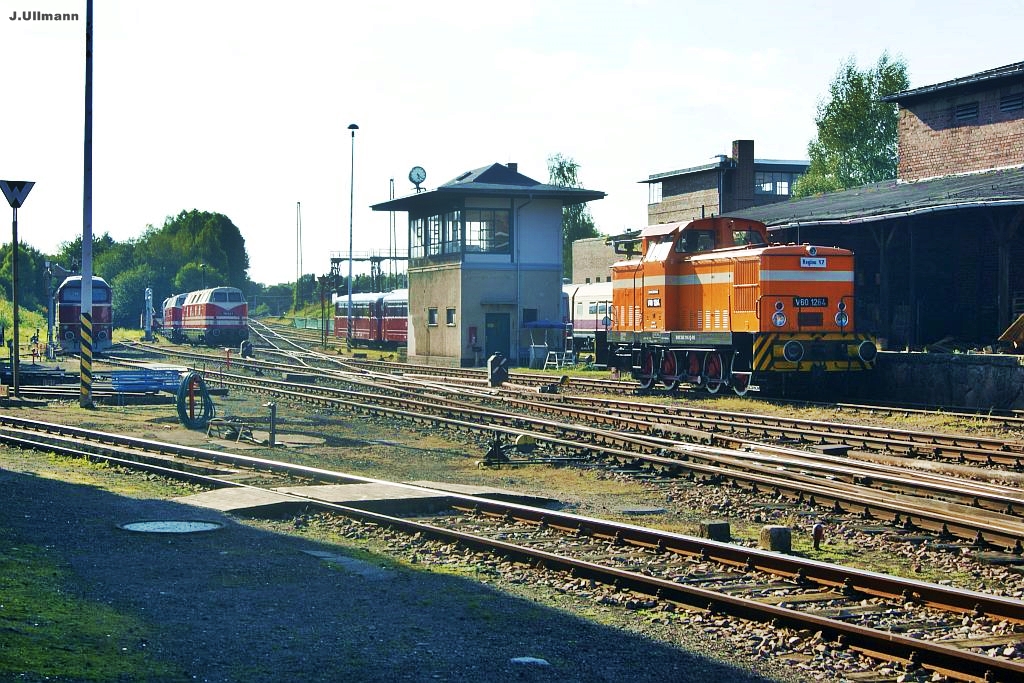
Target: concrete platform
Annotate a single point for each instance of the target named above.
(489, 492)
(374, 497)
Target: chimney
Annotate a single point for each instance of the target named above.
(513, 166)
(743, 185)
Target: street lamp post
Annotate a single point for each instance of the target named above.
(16, 191)
(351, 197)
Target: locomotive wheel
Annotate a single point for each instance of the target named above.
(739, 375)
(713, 371)
(647, 372)
(693, 365)
(670, 371)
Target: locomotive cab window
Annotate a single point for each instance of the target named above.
(745, 237)
(693, 241)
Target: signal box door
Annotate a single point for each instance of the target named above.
(497, 333)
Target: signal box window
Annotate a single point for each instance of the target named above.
(449, 317)
(432, 316)
(487, 230)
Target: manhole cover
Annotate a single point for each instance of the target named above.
(171, 527)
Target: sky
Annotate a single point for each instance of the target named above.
(242, 107)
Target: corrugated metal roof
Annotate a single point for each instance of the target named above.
(793, 165)
(889, 199)
(1010, 71)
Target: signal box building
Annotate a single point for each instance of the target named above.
(485, 265)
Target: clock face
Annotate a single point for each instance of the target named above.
(417, 175)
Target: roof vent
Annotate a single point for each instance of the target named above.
(513, 166)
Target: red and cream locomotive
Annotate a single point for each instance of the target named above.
(171, 324)
(710, 302)
(68, 298)
(218, 316)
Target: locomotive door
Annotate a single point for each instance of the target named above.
(497, 331)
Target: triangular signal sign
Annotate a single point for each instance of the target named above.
(16, 191)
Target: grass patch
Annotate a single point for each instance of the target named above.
(102, 475)
(47, 633)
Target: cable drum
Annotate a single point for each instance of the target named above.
(192, 394)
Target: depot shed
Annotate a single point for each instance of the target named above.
(485, 260)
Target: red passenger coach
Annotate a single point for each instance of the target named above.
(395, 318)
(68, 298)
(215, 317)
(379, 320)
(366, 318)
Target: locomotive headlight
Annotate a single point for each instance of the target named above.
(842, 319)
(812, 251)
(793, 351)
(867, 351)
(778, 317)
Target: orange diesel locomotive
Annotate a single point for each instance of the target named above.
(710, 302)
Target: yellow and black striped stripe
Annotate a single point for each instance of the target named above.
(85, 398)
(831, 352)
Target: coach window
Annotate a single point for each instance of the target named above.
(432, 316)
(449, 317)
(487, 230)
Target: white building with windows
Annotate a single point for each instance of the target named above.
(485, 261)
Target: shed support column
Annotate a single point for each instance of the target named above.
(883, 235)
(1004, 235)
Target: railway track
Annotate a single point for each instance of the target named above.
(916, 624)
(986, 514)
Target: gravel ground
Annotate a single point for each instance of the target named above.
(248, 604)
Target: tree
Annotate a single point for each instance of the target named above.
(31, 276)
(856, 141)
(128, 290)
(577, 223)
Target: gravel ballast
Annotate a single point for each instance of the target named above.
(243, 603)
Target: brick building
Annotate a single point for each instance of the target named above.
(731, 183)
(592, 259)
(939, 249)
(967, 124)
